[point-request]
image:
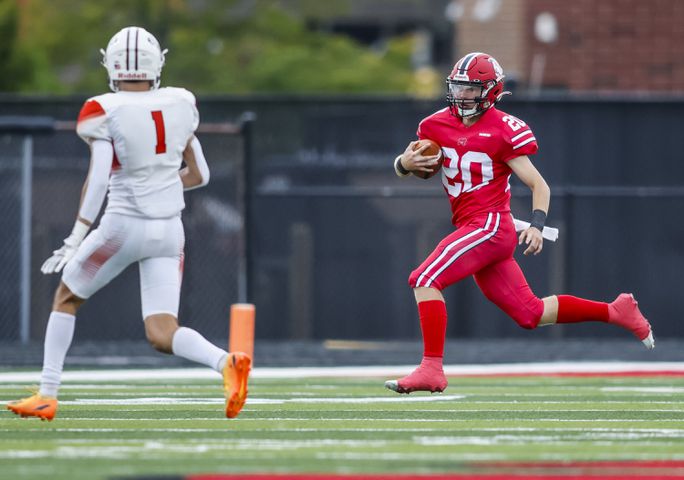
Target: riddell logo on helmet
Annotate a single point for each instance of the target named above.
(131, 76)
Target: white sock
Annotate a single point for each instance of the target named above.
(58, 335)
(187, 343)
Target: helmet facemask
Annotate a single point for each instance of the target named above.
(467, 99)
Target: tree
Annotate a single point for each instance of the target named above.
(214, 47)
(19, 65)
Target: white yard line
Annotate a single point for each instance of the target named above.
(374, 419)
(254, 401)
(357, 372)
(644, 389)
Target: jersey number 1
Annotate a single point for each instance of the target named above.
(161, 133)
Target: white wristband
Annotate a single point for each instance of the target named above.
(78, 233)
(549, 233)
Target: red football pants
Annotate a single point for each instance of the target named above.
(483, 248)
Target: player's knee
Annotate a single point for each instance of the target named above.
(159, 330)
(526, 312)
(413, 278)
(527, 320)
(417, 280)
(65, 300)
(159, 343)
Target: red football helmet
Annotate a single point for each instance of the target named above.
(474, 85)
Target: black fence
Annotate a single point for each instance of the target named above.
(44, 165)
(333, 233)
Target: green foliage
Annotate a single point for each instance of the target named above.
(17, 63)
(214, 47)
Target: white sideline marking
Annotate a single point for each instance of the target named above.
(644, 389)
(257, 401)
(154, 375)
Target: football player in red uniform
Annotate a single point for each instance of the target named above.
(482, 147)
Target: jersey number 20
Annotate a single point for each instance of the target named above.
(469, 172)
(161, 132)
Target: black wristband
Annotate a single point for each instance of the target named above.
(399, 167)
(538, 219)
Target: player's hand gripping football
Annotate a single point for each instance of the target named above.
(532, 237)
(61, 256)
(414, 161)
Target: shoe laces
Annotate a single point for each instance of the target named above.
(32, 390)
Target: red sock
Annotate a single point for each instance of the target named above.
(433, 322)
(572, 310)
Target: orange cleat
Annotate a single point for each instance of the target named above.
(624, 311)
(235, 376)
(44, 408)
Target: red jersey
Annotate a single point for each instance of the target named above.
(475, 172)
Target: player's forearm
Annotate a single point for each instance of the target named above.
(80, 203)
(399, 168)
(189, 178)
(541, 195)
(196, 173)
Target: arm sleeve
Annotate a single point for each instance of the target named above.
(201, 161)
(101, 156)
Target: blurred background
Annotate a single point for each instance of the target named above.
(304, 106)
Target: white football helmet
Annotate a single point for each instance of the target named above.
(133, 54)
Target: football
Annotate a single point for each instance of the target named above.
(433, 149)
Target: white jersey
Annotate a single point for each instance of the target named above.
(149, 131)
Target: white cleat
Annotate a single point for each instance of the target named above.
(392, 385)
(649, 341)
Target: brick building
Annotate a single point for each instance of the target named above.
(578, 45)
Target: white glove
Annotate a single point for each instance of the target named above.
(61, 256)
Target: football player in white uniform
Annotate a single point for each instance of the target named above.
(138, 136)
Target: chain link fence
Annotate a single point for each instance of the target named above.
(11, 148)
(44, 165)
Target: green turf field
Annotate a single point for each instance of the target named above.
(106, 429)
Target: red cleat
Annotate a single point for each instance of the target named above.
(624, 311)
(428, 377)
